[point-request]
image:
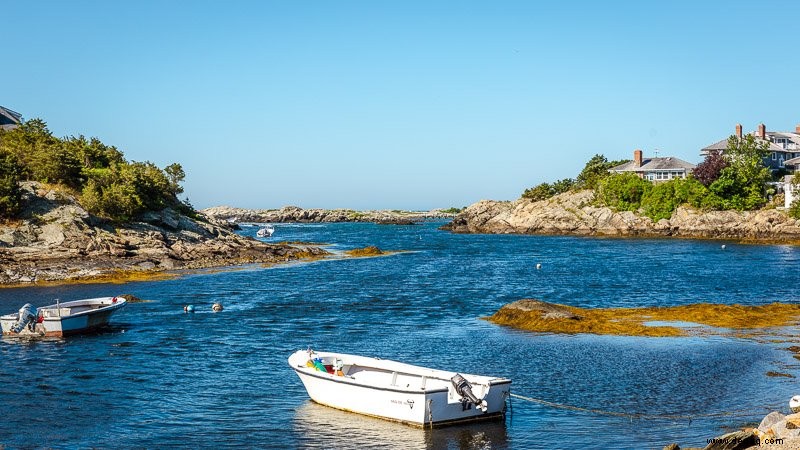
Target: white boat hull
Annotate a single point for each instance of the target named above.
(66, 318)
(399, 392)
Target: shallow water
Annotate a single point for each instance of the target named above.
(161, 377)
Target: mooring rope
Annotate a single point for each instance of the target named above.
(740, 413)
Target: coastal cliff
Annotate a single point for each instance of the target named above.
(55, 238)
(574, 213)
(296, 214)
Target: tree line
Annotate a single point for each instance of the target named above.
(735, 179)
(107, 184)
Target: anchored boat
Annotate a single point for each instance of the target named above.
(400, 392)
(265, 231)
(61, 319)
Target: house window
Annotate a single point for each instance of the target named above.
(774, 156)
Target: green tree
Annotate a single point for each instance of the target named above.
(175, 174)
(794, 208)
(595, 170)
(10, 193)
(741, 184)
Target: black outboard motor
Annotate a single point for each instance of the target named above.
(464, 389)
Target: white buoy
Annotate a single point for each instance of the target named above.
(538, 266)
(794, 404)
(723, 246)
(217, 307)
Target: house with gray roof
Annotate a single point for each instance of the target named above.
(783, 146)
(655, 168)
(9, 119)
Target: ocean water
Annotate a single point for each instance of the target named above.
(162, 378)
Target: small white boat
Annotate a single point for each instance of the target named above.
(61, 319)
(399, 392)
(265, 231)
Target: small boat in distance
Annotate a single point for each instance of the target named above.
(61, 319)
(265, 231)
(399, 392)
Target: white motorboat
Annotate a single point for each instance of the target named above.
(61, 319)
(265, 231)
(400, 392)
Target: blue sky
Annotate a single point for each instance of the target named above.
(405, 104)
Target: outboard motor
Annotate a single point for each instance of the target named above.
(464, 389)
(27, 315)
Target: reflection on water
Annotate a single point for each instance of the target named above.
(324, 427)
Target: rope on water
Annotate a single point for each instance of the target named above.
(740, 413)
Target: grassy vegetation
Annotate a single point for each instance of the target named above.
(631, 321)
(453, 210)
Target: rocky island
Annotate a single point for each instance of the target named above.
(296, 214)
(576, 213)
(54, 238)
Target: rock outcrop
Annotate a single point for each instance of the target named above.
(56, 239)
(295, 214)
(574, 213)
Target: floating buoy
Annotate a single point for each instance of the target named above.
(538, 266)
(794, 404)
(188, 308)
(723, 246)
(217, 307)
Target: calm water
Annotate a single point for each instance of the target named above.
(164, 378)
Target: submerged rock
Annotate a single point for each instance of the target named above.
(546, 310)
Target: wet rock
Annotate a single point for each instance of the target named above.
(547, 310)
(738, 440)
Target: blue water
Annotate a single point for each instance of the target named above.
(164, 378)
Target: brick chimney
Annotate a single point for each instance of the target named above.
(637, 158)
(739, 130)
(762, 131)
(797, 129)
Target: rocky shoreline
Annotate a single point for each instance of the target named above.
(296, 214)
(573, 213)
(55, 239)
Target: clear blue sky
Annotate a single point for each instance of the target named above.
(401, 104)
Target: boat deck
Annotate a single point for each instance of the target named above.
(387, 378)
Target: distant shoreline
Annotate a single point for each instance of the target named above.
(293, 214)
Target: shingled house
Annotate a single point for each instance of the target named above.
(783, 146)
(9, 119)
(656, 168)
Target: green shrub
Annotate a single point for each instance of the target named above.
(662, 199)
(10, 193)
(595, 170)
(541, 191)
(110, 186)
(622, 192)
(544, 191)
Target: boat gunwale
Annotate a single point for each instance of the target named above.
(300, 369)
(353, 382)
(113, 306)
